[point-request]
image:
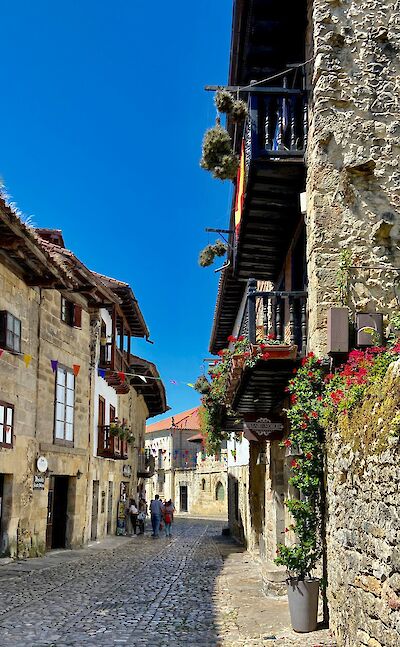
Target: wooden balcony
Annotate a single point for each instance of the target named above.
(114, 361)
(146, 465)
(275, 137)
(282, 316)
(110, 446)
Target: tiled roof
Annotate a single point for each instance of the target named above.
(130, 304)
(27, 249)
(186, 420)
(153, 391)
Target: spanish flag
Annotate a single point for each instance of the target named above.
(240, 189)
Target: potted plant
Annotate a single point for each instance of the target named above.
(305, 445)
(302, 589)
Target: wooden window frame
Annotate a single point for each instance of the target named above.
(5, 330)
(63, 441)
(6, 406)
(71, 313)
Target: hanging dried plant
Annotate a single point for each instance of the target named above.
(207, 256)
(216, 145)
(224, 101)
(220, 248)
(202, 385)
(239, 111)
(227, 168)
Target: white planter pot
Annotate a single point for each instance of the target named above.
(303, 603)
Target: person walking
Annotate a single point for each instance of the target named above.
(168, 514)
(142, 515)
(133, 513)
(156, 508)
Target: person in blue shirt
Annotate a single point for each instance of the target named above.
(156, 509)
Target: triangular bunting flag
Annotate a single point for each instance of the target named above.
(76, 368)
(142, 377)
(191, 385)
(101, 372)
(27, 360)
(54, 364)
(173, 382)
(121, 376)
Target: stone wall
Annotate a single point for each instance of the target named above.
(363, 468)
(353, 184)
(18, 387)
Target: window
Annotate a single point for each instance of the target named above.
(219, 492)
(65, 401)
(10, 332)
(71, 313)
(6, 424)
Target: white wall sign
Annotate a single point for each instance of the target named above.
(42, 464)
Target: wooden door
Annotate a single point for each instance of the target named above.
(50, 514)
(95, 509)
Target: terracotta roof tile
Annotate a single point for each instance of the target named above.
(186, 420)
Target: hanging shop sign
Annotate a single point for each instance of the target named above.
(262, 428)
(39, 481)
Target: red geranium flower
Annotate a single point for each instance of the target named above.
(294, 464)
(271, 336)
(309, 455)
(310, 374)
(287, 442)
(303, 425)
(265, 355)
(295, 371)
(241, 338)
(231, 338)
(293, 398)
(314, 414)
(220, 353)
(320, 398)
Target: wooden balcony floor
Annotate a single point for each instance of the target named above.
(263, 387)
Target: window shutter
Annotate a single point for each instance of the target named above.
(77, 316)
(3, 320)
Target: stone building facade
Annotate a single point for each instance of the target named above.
(314, 225)
(195, 481)
(57, 490)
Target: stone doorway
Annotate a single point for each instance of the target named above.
(183, 498)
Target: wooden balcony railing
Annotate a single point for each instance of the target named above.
(280, 314)
(277, 124)
(110, 446)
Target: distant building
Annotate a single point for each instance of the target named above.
(195, 481)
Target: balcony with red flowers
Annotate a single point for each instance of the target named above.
(275, 326)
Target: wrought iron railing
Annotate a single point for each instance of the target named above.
(277, 124)
(280, 315)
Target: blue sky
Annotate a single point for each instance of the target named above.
(102, 117)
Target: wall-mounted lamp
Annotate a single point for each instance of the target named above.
(79, 474)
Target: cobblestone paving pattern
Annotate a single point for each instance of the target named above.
(141, 592)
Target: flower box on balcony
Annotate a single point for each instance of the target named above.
(280, 351)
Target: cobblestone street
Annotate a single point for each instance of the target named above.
(142, 591)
